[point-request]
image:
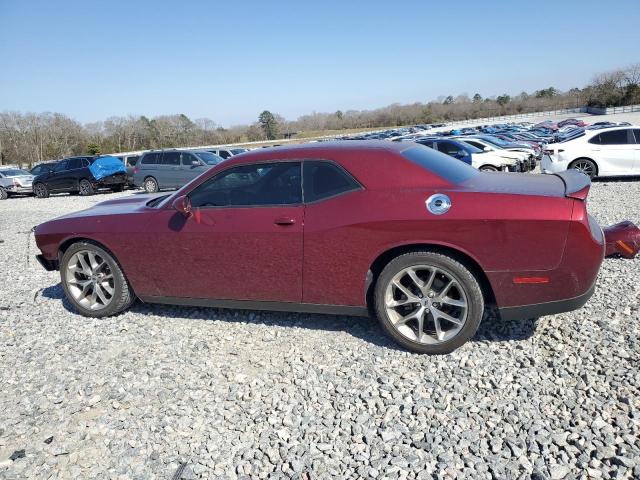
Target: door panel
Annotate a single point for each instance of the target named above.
(238, 253)
(615, 153)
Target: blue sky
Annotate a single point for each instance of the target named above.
(230, 60)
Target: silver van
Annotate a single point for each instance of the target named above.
(163, 169)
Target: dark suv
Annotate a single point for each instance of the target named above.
(73, 175)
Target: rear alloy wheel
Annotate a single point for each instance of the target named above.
(3, 194)
(85, 187)
(93, 281)
(585, 166)
(428, 302)
(488, 168)
(151, 185)
(41, 190)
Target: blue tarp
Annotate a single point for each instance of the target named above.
(105, 166)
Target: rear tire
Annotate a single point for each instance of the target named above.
(151, 185)
(488, 168)
(85, 187)
(444, 307)
(41, 190)
(586, 166)
(93, 281)
(3, 194)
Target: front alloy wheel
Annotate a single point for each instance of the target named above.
(93, 281)
(428, 302)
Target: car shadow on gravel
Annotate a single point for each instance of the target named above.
(491, 329)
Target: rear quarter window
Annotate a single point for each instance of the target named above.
(444, 166)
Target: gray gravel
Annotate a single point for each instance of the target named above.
(241, 394)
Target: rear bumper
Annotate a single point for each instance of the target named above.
(548, 308)
(48, 265)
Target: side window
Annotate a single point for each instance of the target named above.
(131, 161)
(615, 137)
(325, 179)
(171, 158)
(595, 140)
(74, 163)
(258, 184)
(85, 163)
(224, 154)
(188, 159)
(636, 133)
(451, 149)
(427, 144)
(60, 166)
(150, 158)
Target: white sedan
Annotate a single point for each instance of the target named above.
(599, 152)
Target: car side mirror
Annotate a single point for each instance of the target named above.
(486, 149)
(182, 204)
(195, 163)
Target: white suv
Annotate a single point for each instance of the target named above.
(601, 152)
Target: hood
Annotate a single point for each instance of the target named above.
(119, 206)
(493, 157)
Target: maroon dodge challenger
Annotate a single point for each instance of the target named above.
(419, 239)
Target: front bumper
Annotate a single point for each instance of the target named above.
(548, 308)
(48, 265)
(19, 189)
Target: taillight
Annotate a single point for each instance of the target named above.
(136, 170)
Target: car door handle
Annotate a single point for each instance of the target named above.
(284, 221)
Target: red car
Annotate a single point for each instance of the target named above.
(422, 240)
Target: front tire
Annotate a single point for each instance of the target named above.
(41, 190)
(586, 166)
(93, 281)
(428, 302)
(3, 194)
(488, 168)
(85, 187)
(151, 185)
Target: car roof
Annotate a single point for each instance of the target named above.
(325, 147)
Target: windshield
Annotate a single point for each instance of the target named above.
(449, 168)
(15, 172)
(470, 148)
(209, 158)
(495, 141)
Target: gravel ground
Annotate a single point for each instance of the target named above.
(168, 392)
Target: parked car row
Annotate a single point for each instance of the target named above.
(152, 170)
(601, 149)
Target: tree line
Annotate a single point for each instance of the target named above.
(29, 138)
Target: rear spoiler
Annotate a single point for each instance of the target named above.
(576, 184)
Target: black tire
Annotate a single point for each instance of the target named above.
(586, 166)
(3, 194)
(86, 188)
(151, 185)
(488, 168)
(453, 268)
(123, 296)
(41, 190)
